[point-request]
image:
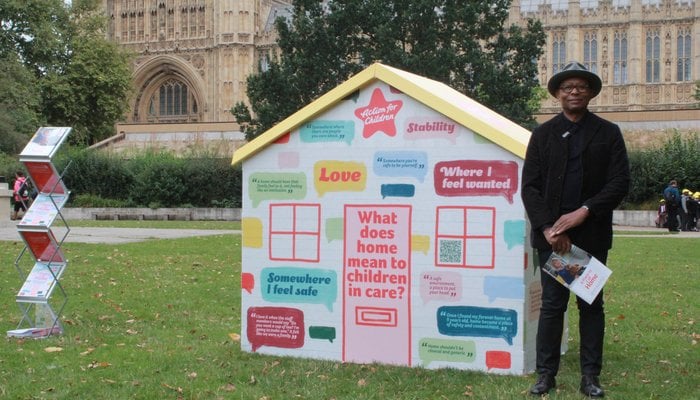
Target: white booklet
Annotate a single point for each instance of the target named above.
(579, 271)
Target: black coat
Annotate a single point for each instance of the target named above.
(606, 179)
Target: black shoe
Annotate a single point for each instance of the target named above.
(544, 384)
(590, 386)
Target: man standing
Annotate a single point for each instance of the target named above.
(673, 202)
(576, 173)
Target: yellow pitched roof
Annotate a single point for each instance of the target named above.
(431, 93)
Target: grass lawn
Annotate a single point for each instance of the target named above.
(161, 319)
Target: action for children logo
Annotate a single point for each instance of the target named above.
(379, 115)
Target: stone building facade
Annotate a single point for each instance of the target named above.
(647, 53)
(193, 57)
(192, 60)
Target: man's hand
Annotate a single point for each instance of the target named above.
(570, 220)
(561, 243)
(556, 235)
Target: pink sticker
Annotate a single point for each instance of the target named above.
(443, 286)
(275, 326)
(476, 178)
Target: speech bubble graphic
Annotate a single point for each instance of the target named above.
(288, 159)
(514, 233)
(418, 128)
(478, 321)
(248, 282)
(327, 131)
(284, 139)
(322, 332)
(252, 232)
(420, 243)
(476, 178)
(299, 285)
(449, 350)
(441, 285)
(401, 164)
(398, 190)
(276, 186)
(339, 176)
(334, 229)
(503, 287)
(498, 359)
(276, 327)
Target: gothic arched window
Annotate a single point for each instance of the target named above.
(172, 102)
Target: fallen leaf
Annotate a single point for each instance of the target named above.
(88, 351)
(229, 388)
(177, 389)
(362, 383)
(53, 349)
(468, 392)
(235, 337)
(192, 375)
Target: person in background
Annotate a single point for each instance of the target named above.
(692, 220)
(683, 211)
(696, 197)
(20, 199)
(661, 215)
(673, 203)
(576, 172)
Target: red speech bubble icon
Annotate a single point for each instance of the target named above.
(476, 178)
(498, 359)
(275, 326)
(284, 139)
(247, 282)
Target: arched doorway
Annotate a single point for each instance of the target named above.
(168, 91)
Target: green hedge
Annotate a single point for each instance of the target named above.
(159, 179)
(150, 179)
(678, 158)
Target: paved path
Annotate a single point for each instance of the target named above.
(117, 235)
(650, 232)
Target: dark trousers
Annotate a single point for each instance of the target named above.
(672, 218)
(555, 298)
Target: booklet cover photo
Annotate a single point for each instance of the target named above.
(582, 273)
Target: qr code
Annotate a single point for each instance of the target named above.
(450, 252)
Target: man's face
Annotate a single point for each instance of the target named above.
(578, 96)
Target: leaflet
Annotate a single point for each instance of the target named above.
(579, 271)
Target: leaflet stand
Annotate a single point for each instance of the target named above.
(39, 319)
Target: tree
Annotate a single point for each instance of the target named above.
(36, 31)
(462, 44)
(79, 78)
(19, 104)
(90, 92)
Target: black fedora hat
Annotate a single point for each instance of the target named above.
(571, 70)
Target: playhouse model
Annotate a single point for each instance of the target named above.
(383, 223)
